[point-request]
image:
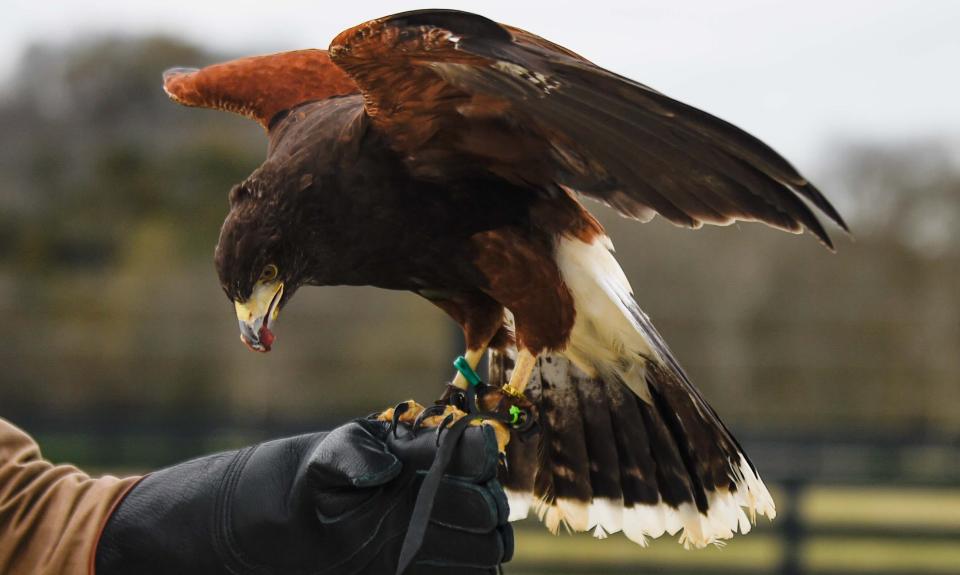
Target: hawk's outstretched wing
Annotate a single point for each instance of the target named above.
(456, 92)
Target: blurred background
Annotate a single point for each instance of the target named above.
(839, 372)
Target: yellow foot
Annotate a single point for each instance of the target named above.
(503, 434)
(411, 411)
(409, 415)
(501, 431)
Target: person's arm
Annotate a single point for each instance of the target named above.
(50, 515)
(336, 503)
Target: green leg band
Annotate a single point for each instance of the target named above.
(464, 368)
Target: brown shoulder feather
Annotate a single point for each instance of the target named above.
(260, 87)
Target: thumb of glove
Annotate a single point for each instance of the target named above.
(352, 456)
(346, 468)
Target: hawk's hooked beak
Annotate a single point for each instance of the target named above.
(258, 313)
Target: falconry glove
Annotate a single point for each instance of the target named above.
(325, 503)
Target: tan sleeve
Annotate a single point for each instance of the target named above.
(51, 516)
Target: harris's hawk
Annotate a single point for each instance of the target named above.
(442, 153)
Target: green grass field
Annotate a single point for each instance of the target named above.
(909, 510)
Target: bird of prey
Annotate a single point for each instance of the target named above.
(442, 153)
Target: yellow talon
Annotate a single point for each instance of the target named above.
(501, 431)
(413, 410)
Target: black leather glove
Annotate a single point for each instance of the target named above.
(331, 503)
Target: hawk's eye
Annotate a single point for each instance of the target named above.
(269, 273)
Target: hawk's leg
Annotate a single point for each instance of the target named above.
(448, 409)
(410, 410)
(473, 357)
(522, 371)
(510, 403)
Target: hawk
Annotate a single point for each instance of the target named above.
(442, 153)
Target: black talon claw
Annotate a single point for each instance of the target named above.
(399, 410)
(443, 425)
(427, 412)
(470, 399)
(502, 459)
(453, 396)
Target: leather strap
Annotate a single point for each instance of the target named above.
(423, 507)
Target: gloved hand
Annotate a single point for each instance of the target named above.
(330, 503)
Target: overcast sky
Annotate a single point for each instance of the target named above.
(797, 74)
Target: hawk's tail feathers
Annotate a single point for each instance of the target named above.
(609, 461)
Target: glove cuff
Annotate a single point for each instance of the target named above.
(175, 521)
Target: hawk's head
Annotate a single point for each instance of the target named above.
(257, 262)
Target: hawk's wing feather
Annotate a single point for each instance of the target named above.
(456, 92)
